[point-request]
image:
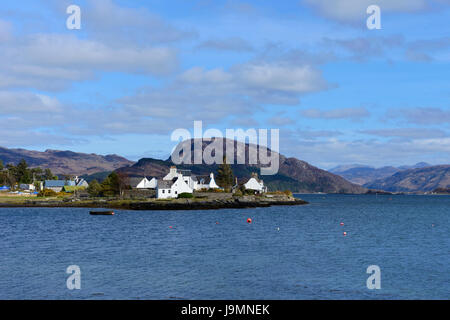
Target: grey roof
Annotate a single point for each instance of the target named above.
(55, 183)
(204, 179)
(186, 173)
(162, 184)
(135, 181)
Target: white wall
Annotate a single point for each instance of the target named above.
(253, 184)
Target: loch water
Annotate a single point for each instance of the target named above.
(288, 252)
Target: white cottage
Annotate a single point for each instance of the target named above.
(166, 189)
(207, 183)
(143, 183)
(187, 177)
(255, 184)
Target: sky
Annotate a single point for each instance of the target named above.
(339, 92)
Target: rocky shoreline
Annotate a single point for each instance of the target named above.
(155, 205)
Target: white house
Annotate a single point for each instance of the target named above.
(171, 189)
(255, 184)
(80, 182)
(187, 176)
(207, 183)
(143, 183)
(27, 187)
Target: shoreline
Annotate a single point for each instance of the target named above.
(178, 204)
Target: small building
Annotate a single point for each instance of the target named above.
(27, 187)
(255, 184)
(207, 182)
(188, 177)
(58, 185)
(80, 182)
(143, 183)
(172, 189)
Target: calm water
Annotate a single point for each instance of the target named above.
(135, 255)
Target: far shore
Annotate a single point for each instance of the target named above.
(154, 204)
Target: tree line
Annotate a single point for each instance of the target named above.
(11, 175)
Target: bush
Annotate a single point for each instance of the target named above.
(47, 193)
(288, 193)
(185, 196)
(238, 193)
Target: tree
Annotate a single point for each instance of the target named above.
(225, 176)
(1, 165)
(23, 173)
(115, 184)
(94, 189)
(48, 175)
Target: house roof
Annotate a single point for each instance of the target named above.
(135, 181)
(163, 184)
(186, 173)
(204, 179)
(55, 183)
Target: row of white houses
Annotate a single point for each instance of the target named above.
(178, 181)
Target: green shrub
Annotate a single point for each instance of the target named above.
(47, 193)
(185, 195)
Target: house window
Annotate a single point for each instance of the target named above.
(164, 191)
(176, 192)
(168, 191)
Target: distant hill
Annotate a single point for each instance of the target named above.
(415, 180)
(346, 167)
(65, 162)
(363, 175)
(294, 174)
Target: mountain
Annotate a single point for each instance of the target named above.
(346, 167)
(415, 180)
(65, 162)
(416, 166)
(293, 174)
(362, 175)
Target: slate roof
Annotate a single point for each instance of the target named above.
(58, 183)
(162, 184)
(204, 179)
(135, 181)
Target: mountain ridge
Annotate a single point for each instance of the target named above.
(294, 174)
(65, 161)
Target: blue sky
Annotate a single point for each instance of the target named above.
(137, 70)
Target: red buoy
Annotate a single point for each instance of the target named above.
(342, 224)
(249, 220)
(345, 233)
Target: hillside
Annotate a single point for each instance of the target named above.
(362, 175)
(65, 162)
(415, 180)
(294, 174)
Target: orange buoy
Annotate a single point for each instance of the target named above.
(249, 220)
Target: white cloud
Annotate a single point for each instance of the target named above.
(355, 10)
(235, 44)
(49, 61)
(340, 113)
(5, 31)
(12, 103)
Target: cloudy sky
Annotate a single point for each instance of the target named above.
(137, 70)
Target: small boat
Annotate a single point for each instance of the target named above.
(102, 213)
